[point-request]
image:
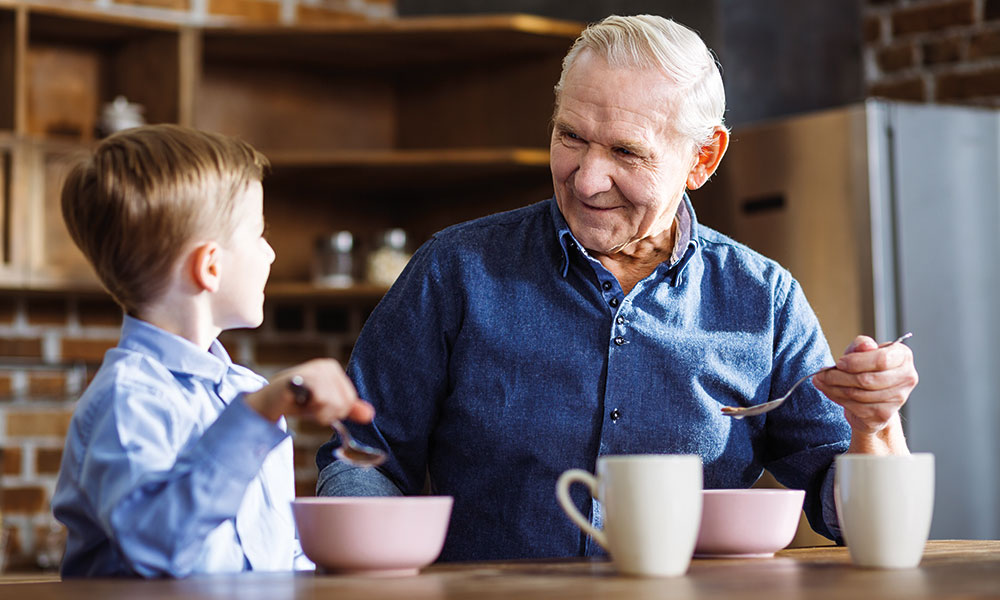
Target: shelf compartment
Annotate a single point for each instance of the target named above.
(7, 274)
(288, 108)
(76, 64)
(403, 84)
(381, 171)
(309, 195)
(8, 67)
(53, 258)
(403, 43)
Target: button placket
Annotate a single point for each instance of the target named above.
(618, 328)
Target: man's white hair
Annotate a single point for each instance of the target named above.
(649, 41)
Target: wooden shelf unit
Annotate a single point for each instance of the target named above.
(74, 64)
(415, 123)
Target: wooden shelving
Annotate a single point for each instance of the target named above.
(393, 170)
(277, 290)
(414, 123)
(396, 44)
(8, 66)
(74, 64)
(445, 158)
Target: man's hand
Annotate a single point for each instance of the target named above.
(872, 382)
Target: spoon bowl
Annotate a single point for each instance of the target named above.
(353, 451)
(350, 450)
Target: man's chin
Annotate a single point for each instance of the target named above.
(592, 235)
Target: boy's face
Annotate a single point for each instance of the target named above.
(245, 263)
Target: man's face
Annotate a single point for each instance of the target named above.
(618, 167)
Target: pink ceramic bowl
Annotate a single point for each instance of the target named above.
(377, 536)
(748, 523)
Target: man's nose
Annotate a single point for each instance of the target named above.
(594, 175)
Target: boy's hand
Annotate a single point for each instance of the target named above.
(333, 395)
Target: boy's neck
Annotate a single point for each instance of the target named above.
(184, 317)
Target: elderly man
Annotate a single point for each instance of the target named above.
(607, 321)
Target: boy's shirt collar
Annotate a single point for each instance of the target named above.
(180, 356)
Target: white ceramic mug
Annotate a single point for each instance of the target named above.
(884, 505)
(652, 510)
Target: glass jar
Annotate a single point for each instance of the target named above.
(334, 261)
(388, 258)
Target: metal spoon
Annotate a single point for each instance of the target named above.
(350, 450)
(738, 412)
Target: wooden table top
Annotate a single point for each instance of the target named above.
(952, 569)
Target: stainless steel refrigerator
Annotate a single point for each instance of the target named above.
(889, 216)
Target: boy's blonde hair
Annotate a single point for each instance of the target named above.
(144, 194)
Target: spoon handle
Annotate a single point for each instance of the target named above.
(300, 391)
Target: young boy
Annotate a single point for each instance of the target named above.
(177, 460)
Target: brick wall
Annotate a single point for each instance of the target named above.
(50, 347)
(945, 51)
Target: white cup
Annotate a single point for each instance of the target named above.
(652, 510)
(884, 505)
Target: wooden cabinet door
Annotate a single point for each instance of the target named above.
(53, 259)
(12, 249)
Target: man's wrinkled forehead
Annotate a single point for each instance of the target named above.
(640, 95)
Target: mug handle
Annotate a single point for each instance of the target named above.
(567, 479)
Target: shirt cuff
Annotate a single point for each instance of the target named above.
(342, 479)
(240, 439)
(830, 505)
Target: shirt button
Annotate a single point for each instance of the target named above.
(616, 414)
(606, 285)
(613, 302)
(619, 341)
(620, 319)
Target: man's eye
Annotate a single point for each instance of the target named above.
(624, 151)
(571, 136)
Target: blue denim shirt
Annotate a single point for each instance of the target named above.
(167, 472)
(505, 355)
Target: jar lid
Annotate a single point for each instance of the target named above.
(338, 241)
(394, 238)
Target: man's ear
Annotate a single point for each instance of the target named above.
(205, 266)
(709, 158)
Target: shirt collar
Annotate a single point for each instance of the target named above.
(175, 353)
(684, 221)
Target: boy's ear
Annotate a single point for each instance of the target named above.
(205, 267)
